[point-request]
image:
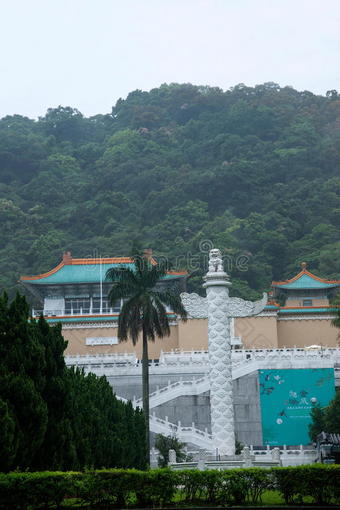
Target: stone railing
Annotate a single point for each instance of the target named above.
(174, 390)
(200, 438)
(249, 457)
(196, 362)
(197, 437)
(101, 360)
(177, 357)
(289, 455)
(295, 353)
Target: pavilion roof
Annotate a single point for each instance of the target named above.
(306, 280)
(87, 270)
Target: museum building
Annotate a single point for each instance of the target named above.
(75, 294)
(283, 360)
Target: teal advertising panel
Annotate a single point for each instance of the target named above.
(287, 397)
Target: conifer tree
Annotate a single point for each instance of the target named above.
(53, 417)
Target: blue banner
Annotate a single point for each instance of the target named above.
(287, 397)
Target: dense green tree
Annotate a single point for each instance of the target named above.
(326, 419)
(52, 417)
(332, 415)
(166, 443)
(8, 443)
(318, 422)
(169, 166)
(144, 312)
(22, 375)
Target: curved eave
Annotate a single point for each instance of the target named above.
(32, 279)
(88, 272)
(79, 262)
(312, 282)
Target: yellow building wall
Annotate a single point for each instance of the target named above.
(193, 335)
(301, 333)
(264, 332)
(77, 342)
(257, 332)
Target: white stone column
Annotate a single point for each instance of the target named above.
(219, 346)
(220, 308)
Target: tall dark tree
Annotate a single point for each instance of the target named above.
(53, 417)
(22, 375)
(57, 439)
(144, 312)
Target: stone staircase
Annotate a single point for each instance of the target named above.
(191, 434)
(174, 390)
(196, 362)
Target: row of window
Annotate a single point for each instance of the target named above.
(84, 306)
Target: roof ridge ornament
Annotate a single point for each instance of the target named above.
(67, 258)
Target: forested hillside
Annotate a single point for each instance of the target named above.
(254, 170)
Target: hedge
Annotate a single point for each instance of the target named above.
(118, 488)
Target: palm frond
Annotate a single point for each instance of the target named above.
(171, 297)
(120, 291)
(153, 275)
(160, 313)
(130, 322)
(121, 274)
(143, 266)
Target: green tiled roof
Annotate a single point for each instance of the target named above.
(82, 273)
(305, 282)
(85, 273)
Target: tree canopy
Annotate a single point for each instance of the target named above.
(52, 417)
(326, 419)
(255, 170)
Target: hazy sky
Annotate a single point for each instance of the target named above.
(88, 53)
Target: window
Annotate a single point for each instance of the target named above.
(77, 306)
(96, 305)
(106, 306)
(307, 302)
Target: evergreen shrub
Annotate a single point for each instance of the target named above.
(318, 481)
(123, 488)
(20, 491)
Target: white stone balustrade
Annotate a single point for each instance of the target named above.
(268, 457)
(174, 390)
(185, 434)
(196, 362)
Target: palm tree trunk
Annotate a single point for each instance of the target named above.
(145, 378)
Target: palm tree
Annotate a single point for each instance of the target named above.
(144, 311)
(336, 321)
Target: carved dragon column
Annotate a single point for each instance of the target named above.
(221, 384)
(219, 308)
